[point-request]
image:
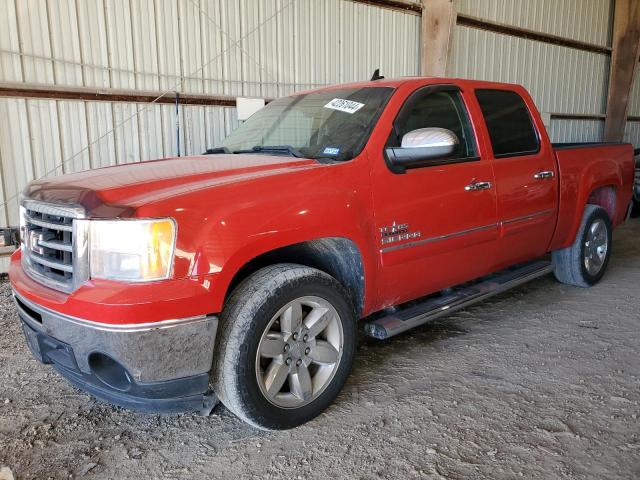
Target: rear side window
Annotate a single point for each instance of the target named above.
(510, 126)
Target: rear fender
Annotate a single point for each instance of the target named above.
(599, 182)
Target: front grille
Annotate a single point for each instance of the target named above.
(51, 238)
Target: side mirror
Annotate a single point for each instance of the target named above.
(422, 147)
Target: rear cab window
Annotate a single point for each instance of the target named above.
(509, 123)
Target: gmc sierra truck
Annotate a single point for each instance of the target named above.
(241, 275)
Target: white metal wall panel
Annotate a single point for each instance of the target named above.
(252, 70)
(17, 166)
(119, 43)
(632, 133)
(634, 96)
(93, 43)
(125, 120)
(560, 79)
(10, 68)
(167, 43)
(65, 42)
(194, 124)
(3, 208)
(145, 53)
(101, 138)
(150, 129)
(46, 150)
(190, 47)
(231, 50)
(73, 140)
(33, 34)
(585, 20)
(269, 48)
(211, 44)
(576, 130)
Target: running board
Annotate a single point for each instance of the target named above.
(455, 299)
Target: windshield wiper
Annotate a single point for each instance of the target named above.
(277, 149)
(216, 150)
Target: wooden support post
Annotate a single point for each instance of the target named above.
(626, 48)
(438, 22)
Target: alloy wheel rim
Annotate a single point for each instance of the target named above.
(595, 247)
(299, 352)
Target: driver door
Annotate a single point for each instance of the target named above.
(436, 227)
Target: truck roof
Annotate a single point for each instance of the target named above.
(397, 82)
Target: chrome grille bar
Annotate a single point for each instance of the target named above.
(57, 245)
(54, 244)
(50, 225)
(51, 264)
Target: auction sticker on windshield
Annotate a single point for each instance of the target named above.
(342, 105)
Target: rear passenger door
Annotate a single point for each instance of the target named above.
(525, 173)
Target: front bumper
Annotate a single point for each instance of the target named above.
(152, 367)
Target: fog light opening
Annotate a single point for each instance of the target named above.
(110, 372)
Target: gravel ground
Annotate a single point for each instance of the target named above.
(540, 382)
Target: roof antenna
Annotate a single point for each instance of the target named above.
(376, 75)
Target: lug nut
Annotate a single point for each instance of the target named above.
(305, 338)
(288, 361)
(299, 362)
(307, 350)
(295, 336)
(286, 347)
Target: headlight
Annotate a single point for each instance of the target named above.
(131, 250)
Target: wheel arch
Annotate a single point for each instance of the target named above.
(605, 197)
(337, 256)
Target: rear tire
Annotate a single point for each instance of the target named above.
(285, 348)
(583, 264)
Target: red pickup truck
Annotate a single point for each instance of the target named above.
(241, 274)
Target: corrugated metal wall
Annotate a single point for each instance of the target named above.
(560, 79)
(589, 21)
(632, 130)
(242, 48)
(256, 48)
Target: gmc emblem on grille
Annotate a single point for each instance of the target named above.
(33, 243)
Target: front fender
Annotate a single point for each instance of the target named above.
(249, 220)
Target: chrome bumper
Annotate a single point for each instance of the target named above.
(149, 352)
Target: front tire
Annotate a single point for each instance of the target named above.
(583, 264)
(286, 345)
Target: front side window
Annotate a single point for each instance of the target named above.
(437, 109)
(510, 126)
(332, 124)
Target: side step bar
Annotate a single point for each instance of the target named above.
(456, 299)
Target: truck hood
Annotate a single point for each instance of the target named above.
(118, 191)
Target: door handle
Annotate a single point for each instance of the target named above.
(543, 175)
(477, 186)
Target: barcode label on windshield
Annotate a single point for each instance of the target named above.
(342, 105)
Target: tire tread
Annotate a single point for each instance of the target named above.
(239, 317)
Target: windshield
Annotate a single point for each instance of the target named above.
(332, 124)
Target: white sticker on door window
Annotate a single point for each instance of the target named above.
(342, 105)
